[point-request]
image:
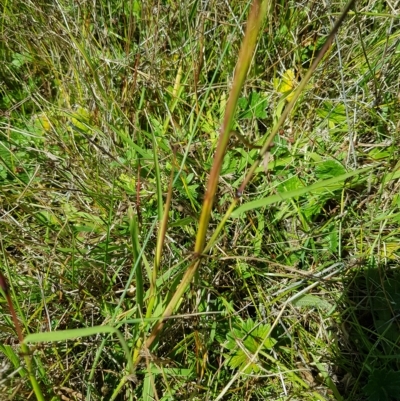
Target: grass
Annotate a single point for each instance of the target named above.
(271, 254)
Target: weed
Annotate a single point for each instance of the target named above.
(199, 200)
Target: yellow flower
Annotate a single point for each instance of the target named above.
(41, 121)
(287, 84)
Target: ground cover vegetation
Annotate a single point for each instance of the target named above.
(128, 132)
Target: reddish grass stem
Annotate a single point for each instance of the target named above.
(24, 347)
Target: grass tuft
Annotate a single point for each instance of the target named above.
(211, 183)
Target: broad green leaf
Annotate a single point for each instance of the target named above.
(326, 185)
(254, 106)
(379, 154)
(137, 8)
(312, 301)
(391, 176)
(394, 174)
(20, 59)
(329, 169)
(313, 207)
(241, 360)
(335, 114)
(291, 184)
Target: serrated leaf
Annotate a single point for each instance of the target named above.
(240, 360)
(244, 341)
(383, 385)
(291, 184)
(312, 207)
(254, 106)
(329, 169)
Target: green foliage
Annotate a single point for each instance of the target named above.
(383, 386)
(312, 301)
(332, 115)
(100, 103)
(329, 169)
(330, 184)
(255, 106)
(245, 341)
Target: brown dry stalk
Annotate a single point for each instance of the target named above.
(255, 18)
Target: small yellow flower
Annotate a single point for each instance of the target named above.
(41, 121)
(287, 84)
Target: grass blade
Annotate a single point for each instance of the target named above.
(328, 185)
(64, 335)
(256, 16)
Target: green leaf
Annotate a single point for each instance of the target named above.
(313, 301)
(13, 357)
(20, 59)
(329, 169)
(383, 385)
(64, 335)
(174, 372)
(182, 222)
(379, 154)
(291, 184)
(313, 207)
(254, 106)
(244, 341)
(148, 387)
(325, 185)
(335, 114)
(333, 240)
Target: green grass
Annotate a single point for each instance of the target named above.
(283, 288)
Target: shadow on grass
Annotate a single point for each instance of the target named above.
(371, 342)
